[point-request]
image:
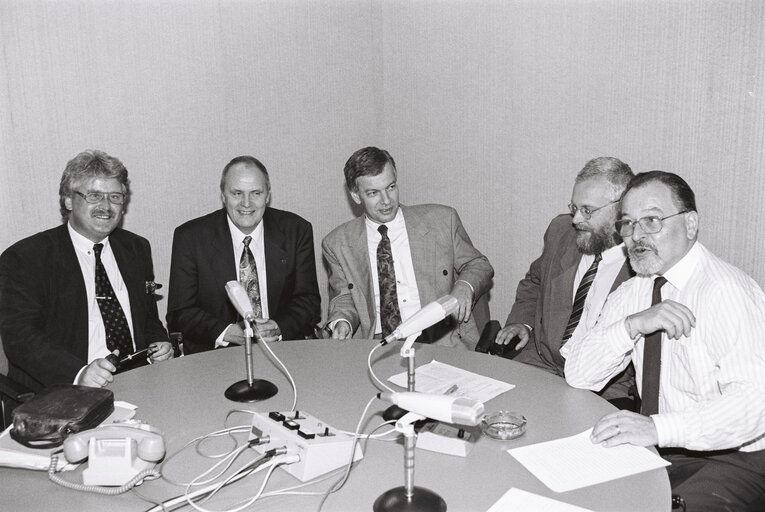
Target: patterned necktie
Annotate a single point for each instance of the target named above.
(115, 323)
(390, 316)
(579, 299)
(652, 361)
(248, 276)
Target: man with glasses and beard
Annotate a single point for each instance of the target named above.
(583, 260)
(693, 326)
(71, 295)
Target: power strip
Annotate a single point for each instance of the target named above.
(321, 447)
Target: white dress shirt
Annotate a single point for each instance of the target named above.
(712, 390)
(406, 283)
(611, 263)
(258, 252)
(83, 248)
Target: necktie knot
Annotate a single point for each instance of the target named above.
(247, 241)
(383, 229)
(659, 282)
(598, 257)
(97, 248)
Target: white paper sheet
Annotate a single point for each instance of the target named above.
(438, 378)
(516, 499)
(574, 462)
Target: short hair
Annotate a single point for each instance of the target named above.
(617, 173)
(369, 161)
(89, 164)
(682, 194)
(244, 159)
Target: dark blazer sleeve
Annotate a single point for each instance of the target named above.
(298, 308)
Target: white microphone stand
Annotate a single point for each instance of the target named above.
(250, 390)
(409, 498)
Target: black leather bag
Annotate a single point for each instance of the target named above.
(57, 411)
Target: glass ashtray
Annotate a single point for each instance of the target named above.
(503, 425)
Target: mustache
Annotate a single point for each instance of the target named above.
(640, 245)
(101, 211)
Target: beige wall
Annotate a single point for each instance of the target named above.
(489, 106)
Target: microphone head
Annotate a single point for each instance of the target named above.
(238, 297)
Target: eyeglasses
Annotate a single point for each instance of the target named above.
(649, 225)
(97, 197)
(587, 211)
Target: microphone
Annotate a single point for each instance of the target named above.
(238, 297)
(446, 408)
(424, 318)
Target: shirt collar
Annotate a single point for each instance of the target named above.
(615, 253)
(237, 236)
(681, 272)
(82, 243)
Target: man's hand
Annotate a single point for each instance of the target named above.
(234, 334)
(342, 331)
(510, 331)
(669, 316)
(625, 427)
(98, 374)
(160, 351)
(464, 295)
(267, 329)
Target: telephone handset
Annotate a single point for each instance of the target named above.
(116, 453)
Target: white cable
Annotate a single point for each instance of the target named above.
(371, 371)
(289, 375)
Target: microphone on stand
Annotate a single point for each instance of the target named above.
(250, 390)
(446, 408)
(424, 318)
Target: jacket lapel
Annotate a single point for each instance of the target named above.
(422, 255)
(276, 259)
(72, 290)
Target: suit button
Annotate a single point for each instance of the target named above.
(350, 286)
(446, 273)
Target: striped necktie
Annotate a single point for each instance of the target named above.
(579, 299)
(115, 323)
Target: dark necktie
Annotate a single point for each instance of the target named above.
(652, 361)
(390, 316)
(115, 323)
(579, 299)
(248, 276)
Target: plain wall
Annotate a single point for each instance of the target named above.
(489, 106)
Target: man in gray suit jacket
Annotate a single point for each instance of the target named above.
(544, 304)
(432, 257)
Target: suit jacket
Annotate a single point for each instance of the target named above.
(44, 309)
(544, 301)
(203, 262)
(441, 253)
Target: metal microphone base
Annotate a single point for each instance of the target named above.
(243, 391)
(422, 500)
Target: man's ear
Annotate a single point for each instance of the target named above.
(355, 196)
(691, 225)
(68, 203)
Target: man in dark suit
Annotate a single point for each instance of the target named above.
(544, 310)
(432, 256)
(211, 250)
(52, 319)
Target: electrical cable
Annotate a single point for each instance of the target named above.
(146, 474)
(371, 371)
(284, 367)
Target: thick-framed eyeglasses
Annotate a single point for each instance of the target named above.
(97, 197)
(650, 225)
(586, 211)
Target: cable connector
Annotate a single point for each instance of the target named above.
(289, 458)
(273, 452)
(259, 440)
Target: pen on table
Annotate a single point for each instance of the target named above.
(451, 389)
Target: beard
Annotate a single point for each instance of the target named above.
(597, 240)
(645, 259)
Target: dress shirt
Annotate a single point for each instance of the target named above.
(258, 252)
(608, 268)
(83, 248)
(712, 391)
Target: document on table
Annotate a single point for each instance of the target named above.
(573, 462)
(517, 499)
(438, 378)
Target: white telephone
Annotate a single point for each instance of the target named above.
(116, 453)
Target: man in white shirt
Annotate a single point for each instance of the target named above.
(71, 295)
(431, 254)
(693, 327)
(211, 250)
(565, 288)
